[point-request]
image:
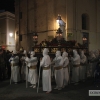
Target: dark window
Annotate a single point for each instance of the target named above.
(85, 22)
(20, 37)
(20, 15)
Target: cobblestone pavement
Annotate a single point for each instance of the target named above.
(71, 92)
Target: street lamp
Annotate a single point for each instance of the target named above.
(35, 38)
(59, 35)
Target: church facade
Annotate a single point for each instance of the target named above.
(81, 20)
(7, 30)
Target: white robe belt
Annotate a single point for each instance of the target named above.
(58, 68)
(14, 64)
(32, 67)
(46, 68)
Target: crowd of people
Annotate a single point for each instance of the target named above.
(23, 65)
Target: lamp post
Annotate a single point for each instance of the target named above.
(59, 36)
(35, 38)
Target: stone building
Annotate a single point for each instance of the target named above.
(7, 30)
(81, 18)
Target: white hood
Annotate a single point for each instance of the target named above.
(96, 52)
(58, 53)
(82, 53)
(45, 51)
(24, 52)
(65, 54)
(75, 53)
(32, 53)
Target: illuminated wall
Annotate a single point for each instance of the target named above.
(7, 27)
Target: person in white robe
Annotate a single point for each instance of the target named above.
(15, 75)
(65, 68)
(91, 59)
(46, 74)
(76, 64)
(83, 62)
(58, 66)
(32, 64)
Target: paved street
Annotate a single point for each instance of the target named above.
(71, 92)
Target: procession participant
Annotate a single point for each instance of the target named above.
(83, 61)
(76, 64)
(96, 52)
(23, 68)
(65, 69)
(32, 64)
(14, 60)
(46, 74)
(58, 66)
(91, 59)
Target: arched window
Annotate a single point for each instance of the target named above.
(85, 22)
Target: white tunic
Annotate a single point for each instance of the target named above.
(46, 74)
(32, 75)
(75, 70)
(58, 73)
(91, 64)
(65, 71)
(15, 75)
(83, 67)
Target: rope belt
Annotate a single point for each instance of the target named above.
(32, 67)
(58, 68)
(76, 65)
(46, 68)
(14, 64)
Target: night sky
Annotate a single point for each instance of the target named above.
(7, 5)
